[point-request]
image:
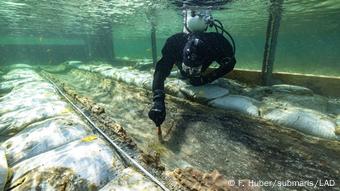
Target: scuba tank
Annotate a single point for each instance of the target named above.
(200, 21)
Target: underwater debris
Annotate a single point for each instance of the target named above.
(3, 169)
(152, 159)
(196, 180)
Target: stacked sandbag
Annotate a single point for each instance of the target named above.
(250, 101)
(305, 120)
(3, 169)
(237, 103)
(47, 146)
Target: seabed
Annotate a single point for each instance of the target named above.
(223, 131)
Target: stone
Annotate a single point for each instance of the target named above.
(237, 103)
(130, 180)
(3, 169)
(44, 136)
(90, 159)
(204, 93)
(152, 159)
(304, 120)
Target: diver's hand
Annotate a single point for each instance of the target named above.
(198, 81)
(157, 113)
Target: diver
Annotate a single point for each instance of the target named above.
(192, 53)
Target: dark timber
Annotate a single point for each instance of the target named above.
(275, 12)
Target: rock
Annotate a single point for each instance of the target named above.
(292, 89)
(97, 109)
(237, 103)
(204, 93)
(89, 159)
(193, 179)
(36, 138)
(304, 120)
(130, 180)
(152, 159)
(3, 169)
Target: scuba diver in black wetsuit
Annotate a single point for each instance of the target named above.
(192, 53)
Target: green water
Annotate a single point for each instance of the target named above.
(308, 38)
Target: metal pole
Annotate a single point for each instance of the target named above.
(120, 151)
(275, 13)
(153, 43)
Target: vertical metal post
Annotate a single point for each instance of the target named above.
(275, 13)
(153, 43)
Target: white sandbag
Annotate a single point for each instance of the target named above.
(242, 104)
(13, 83)
(101, 67)
(108, 73)
(314, 102)
(292, 89)
(19, 74)
(90, 159)
(15, 121)
(304, 120)
(44, 136)
(204, 93)
(27, 101)
(26, 90)
(13, 66)
(130, 180)
(3, 169)
(173, 87)
(74, 62)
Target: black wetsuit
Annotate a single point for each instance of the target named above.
(218, 49)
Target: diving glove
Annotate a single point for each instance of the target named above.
(157, 112)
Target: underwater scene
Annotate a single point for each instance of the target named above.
(160, 95)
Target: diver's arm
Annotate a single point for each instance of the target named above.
(162, 71)
(163, 68)
(225, 67)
